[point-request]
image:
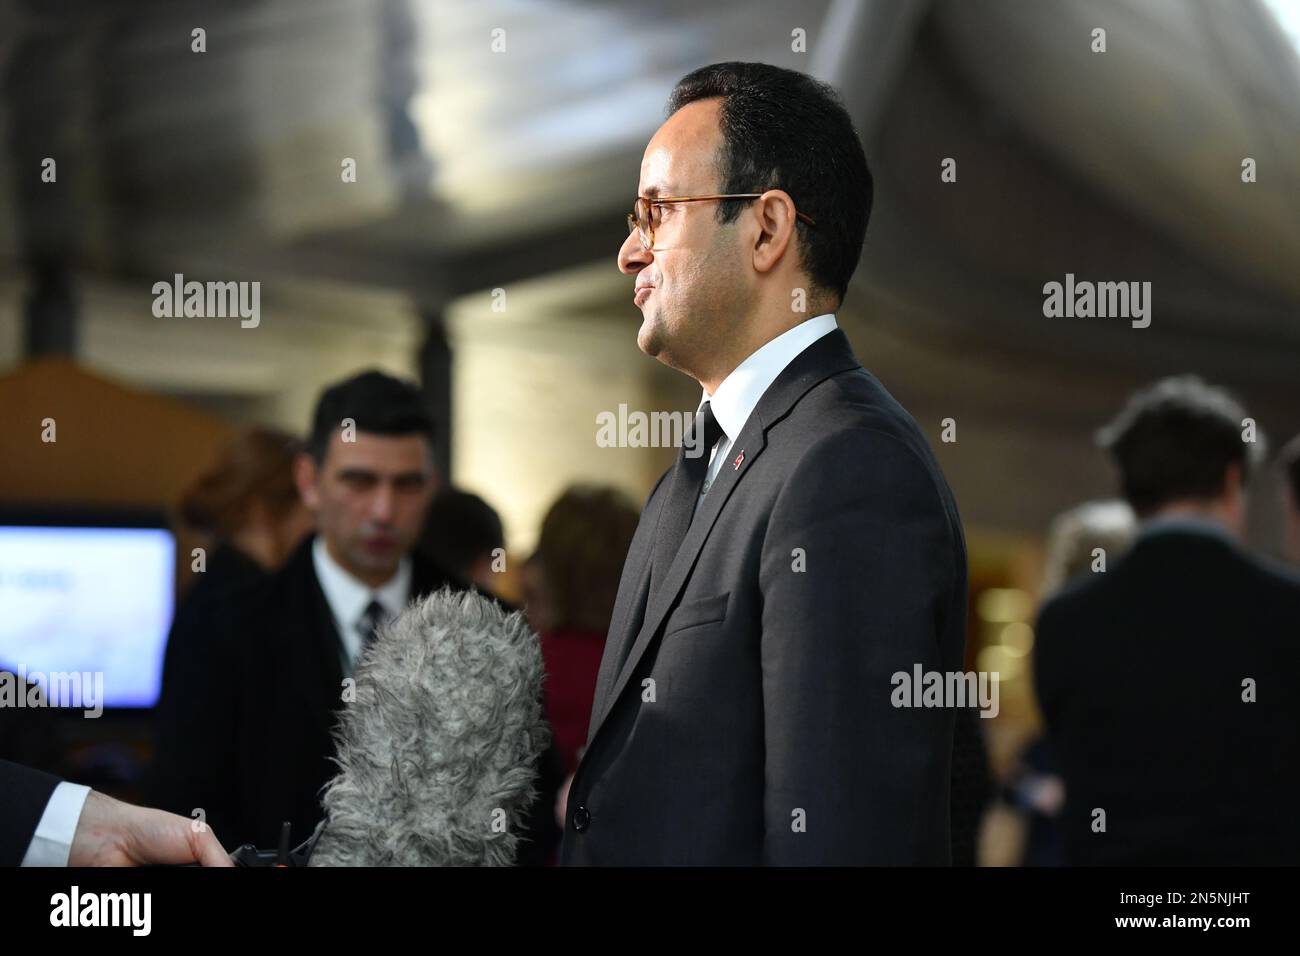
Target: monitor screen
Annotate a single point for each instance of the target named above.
(94, 601)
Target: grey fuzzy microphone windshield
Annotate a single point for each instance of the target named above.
(438, 751)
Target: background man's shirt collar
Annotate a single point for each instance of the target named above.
(349, 597)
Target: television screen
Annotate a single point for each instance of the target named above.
(93, 601)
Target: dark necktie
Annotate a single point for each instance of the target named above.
(373, 616)
(683, 492)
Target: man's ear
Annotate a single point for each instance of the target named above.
(304, 476)
(776, 223)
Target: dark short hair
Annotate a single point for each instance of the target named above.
(1175, 439)
(782, 129)
(376, 402)
(460, 529)
(1290, 460)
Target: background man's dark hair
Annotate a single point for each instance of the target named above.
(1175, 440)
(378, 403)
(460, 529)
(784, 130)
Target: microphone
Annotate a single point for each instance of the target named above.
(438, 751)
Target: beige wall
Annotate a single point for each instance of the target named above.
(526, 396)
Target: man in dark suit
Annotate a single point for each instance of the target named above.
(1168, 680)
(804, 549)
(45, 821)
(245, 725)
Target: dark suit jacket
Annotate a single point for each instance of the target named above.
(23, 796)
(767, 735)
(1139, 675)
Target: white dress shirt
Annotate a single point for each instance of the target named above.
(52, 842)
(739, 392)
(349, 597)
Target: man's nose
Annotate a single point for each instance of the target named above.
(381, 504)
(633, 256)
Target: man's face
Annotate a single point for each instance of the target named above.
(692, 287)
(369, 497)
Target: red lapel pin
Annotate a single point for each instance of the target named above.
(739, 458)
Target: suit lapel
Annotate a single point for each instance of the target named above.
(629, 610)
(825, 357)
(658, 604)
(320, 663)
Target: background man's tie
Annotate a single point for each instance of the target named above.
(373, 616)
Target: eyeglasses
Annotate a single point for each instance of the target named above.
(640, 219)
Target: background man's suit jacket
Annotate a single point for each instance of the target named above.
(771, 738)
(1139, 675)
(23, 796)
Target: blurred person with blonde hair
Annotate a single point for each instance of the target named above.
(1033, 792)
(1074, 537)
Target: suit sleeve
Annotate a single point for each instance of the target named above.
(851, 779)
(24, 794)
(1047, 688)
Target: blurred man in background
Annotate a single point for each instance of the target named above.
(463, 534)
(250, 716)
(1168, 681)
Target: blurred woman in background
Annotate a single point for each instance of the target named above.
(247, 505)
(571, 583)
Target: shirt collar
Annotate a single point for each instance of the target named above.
(738, 395)
(348, 597)
(1185, 523)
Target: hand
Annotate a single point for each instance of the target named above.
(562, 801)
(113, 833)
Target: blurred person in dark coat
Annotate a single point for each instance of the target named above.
(1168, 680)
(246, 504)
(463, 534)
(1034, 789)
